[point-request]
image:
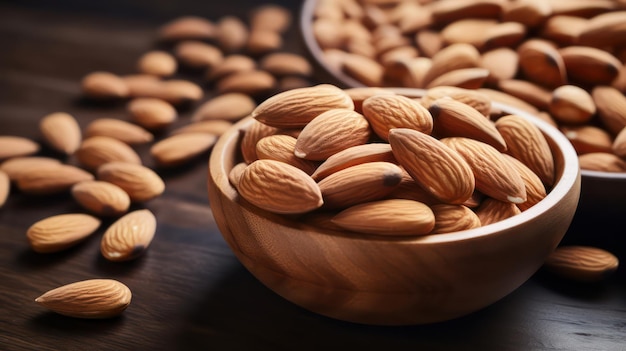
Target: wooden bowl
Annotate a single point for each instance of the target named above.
(392, 280)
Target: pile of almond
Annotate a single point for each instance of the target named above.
(202, 76)
(561, 60)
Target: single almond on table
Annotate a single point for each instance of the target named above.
(158, 63)
(129, 236)
(61, 131)
(387, 111)
(453, 218)
(360, 183)
(104, 85)
(16, 166)
(101, 198)
(94, 298)
(229, 106)
(140, 182)
(252, 83)
(60, 232)
(280, 147)
(582, 263)
(187, 27)
(98, 150)
(353, 156)
(152, 113)
(215, 127)
(387, 217)
(50, 178)
(330, 132)
(16, 146)
(494, 175)
(278, 187)
(296, 108)
(441, 171)
(124, 131)
(232, 63)
(179, 149)
(232, 33)
(198, 54)
(5, 187)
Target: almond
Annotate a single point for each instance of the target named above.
(571, 104)
(468, 78)
(416, 70)
(618, 146)
(588, 65)
(469, 31)
(602, 162)
(504, 34)
(280, 147)
(526, 143)
(359, 94)
(255, 82)
(215, 127)
(387, 111)
(494, 175)
(229, 106)
(179, 149)
(232, 33)
(198, 55)
(331, 132)
(453, 218)
(16, 146)
(104, 85)
(285, 63)
(98, 150)
(61, 131)
(387, 217)
(173, 91)
(15, 167)
(588, 138)
(582, 263)
(235, 174)
(530, 13)
(452, 10)
(5, 187)
(61, 232)
(491, 210)
(454, 118)
(473, 98)
(535, 190)
(158, 63)
(187, 27)
(429, 42)
(563, 29)
(363, 69)
(152, 113)
(94, 298)
(360, 183)
(611, 104)
(271, 17)
(279, 187)
(440, 170)
(233, 63)
(452, 57)
(50, 178)
(605, 29)
(409, 189)
(101, 198)
(140, 182)
(528, 91)
(129, 236)
(540, 61)
(123, 131)
(296, 108)
(502, 63)
(353, 156)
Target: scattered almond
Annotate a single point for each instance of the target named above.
(140, 182)
(61, 232)
(61, 131)
(101, 198)
(179, 149)
(129, 236)
(582, 263)
(16, 146)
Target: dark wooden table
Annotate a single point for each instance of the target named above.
(189, 291)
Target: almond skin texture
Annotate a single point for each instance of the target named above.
(98, 150)
(278, 187)
(438, 169)
(129, 236)
(61, 232)
(297, 107)
(495, 176)
(387, 111)
(582, 263)
(387, 217)
(101, 198)
(453, 218)
(180, 149)
(61, 131)
(15, 146)
(353, 156)
(330, 132)
(94, 298)
(47, 179)
(123, 131)
(491, 210)
(358, 184)
(526, 143)
(139, 182)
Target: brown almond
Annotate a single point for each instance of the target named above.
(49, 178)
(352, 156)
(61, 131)
(229, 106)
(187, 27)
(60, 232)
(409, 189)
(583, 8)
(605, 29)
(468, 78)
(588, 65)
(197, 54)
(469, 31)
(231, 64)
(179, 149)
(235, 174)
(441, 170)
(253, 83)
(5, 187)
(526, 143)
(173, 91)
(602, 162)
(471, 97)
(296, 108)
(286, 63)
(129, 236)
(367, 71)
(104, 85)
(504, 34)
(563, 29)
(453, 218)
(610, 104)
(582, 263)
(101, 198)
(429, 42)
(280, 147)
(618, 147)
(491, 210)
(271, 17)
(588, 138)
(16, 166)
(123, 131)
(535, 190)
(140, 182)
(250, 138)
(331, 132)
(232, 33)
(387, 111)
(494, 175)
(502, 63)
(452, 10)
(215, 127)
(505, 98)
(571, 104)
(530, 13)
(152, 113)
(278, 187)
(531, 92)
(98, 150)
(359, 94)
(94, 298)
(16, 146)
(540, 61)
(451, 58)
(360, 183)
(455, 118)
(158, 63)
(263, 41)
(387, 217)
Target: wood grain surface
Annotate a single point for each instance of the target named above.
(189, 290)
